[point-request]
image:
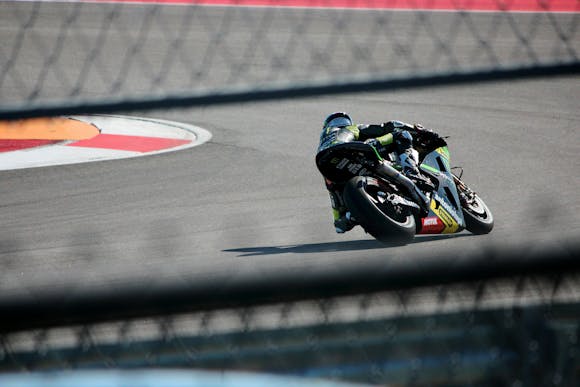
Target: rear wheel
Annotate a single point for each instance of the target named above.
(368, 202)
(478, 217)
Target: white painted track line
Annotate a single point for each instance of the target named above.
(66, 153)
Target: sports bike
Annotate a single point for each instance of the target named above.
(391, 207)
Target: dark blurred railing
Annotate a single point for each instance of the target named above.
(499, 318)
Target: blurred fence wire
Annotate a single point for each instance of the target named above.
(91, 57)
(500, 319)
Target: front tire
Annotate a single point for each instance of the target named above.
(478, 217)
(388, 223)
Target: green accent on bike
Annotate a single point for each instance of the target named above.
(429, 168)
(444, 151)
(377, 153)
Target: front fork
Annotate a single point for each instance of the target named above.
(466, 195)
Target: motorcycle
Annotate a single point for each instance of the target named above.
(391, 207)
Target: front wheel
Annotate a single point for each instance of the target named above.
(367, 201)
(478, 217)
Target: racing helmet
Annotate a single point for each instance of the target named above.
(337, 119)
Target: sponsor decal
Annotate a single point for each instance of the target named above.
(431, 225)
(342, 163)
(449, 223)
(431, 221)
(354, 168)
(444, 204)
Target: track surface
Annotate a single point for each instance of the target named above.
(252, 201)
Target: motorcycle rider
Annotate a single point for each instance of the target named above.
(338, 128)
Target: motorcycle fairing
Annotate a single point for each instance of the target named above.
(445, 215)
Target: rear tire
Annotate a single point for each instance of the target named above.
(386, 222)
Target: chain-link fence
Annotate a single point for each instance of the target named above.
(499, 319)
(59, 56)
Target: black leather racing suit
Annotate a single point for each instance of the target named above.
(386, 137)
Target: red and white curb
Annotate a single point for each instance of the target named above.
(120, 137)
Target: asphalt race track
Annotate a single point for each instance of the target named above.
(251, 201)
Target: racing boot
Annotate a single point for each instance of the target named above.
(344, 222)
(409, 161)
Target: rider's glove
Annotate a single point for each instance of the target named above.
(403, 140)
(425, 138)
(421, 128)
(426, 133)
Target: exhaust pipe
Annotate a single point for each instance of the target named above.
(389, 172)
